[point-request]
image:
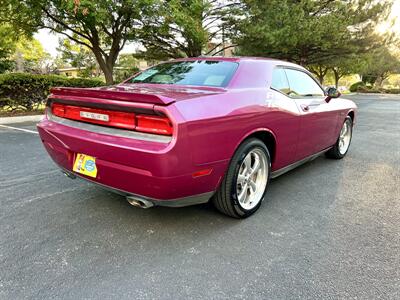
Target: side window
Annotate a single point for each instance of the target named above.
(279, 81)
(302, 85)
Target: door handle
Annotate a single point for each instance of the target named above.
(305, 107)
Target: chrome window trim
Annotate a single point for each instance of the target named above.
(110, 131)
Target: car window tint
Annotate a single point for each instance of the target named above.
(279, 81)
(198, 72)
(302, 85)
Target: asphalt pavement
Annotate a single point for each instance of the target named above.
(326, 230)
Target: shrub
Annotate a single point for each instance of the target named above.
(371, 90)
(21, 91)
(360, 87)
(355, 86)
(123, 74)
(392, 91)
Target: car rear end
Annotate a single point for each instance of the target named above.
(133, 143)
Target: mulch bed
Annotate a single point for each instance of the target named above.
(21, 113)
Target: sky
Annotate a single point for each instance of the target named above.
(50, 40)
(394, 15)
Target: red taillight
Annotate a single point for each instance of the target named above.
(111, 118)
(58, 110)
(153, 124)
(125, 120)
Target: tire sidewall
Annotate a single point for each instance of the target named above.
(348, 119)
(236, 163)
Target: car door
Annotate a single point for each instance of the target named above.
(284, 121)
(318, 120)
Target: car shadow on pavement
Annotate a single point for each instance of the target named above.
(293, 190)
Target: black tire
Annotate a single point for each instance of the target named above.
(334, 152)
(226, 198)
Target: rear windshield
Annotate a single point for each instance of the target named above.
(198, 72)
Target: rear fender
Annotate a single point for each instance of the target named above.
(254, 132)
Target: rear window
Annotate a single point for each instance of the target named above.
(198, 72)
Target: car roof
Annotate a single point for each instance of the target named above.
(269, 60)
(261, 66)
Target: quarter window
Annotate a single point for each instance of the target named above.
(279, 81)
(302, 85)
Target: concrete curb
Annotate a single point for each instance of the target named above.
(21, 119)
(377, 94)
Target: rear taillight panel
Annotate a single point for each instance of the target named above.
(154, 124)
(125, 120)
(145, 123)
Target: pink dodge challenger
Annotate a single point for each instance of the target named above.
(190, 130)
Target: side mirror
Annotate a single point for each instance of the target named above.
(331, 93)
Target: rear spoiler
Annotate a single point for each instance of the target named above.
(103, 93)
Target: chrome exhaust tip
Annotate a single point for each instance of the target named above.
(138, 202)
(69, 175)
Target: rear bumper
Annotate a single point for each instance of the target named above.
(156, 171)
(179, 202)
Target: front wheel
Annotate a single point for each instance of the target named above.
(244, 186)
(342, 145)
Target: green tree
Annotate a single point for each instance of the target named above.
(103, 26)
(183, 28)
(29, 56)
(126, 66)
(344, 66)
(7, 46)
(377, 66)
(78, 56)
(320, 70)
(308, 32)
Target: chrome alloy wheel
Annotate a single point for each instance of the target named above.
(345, 136)
(252, 179)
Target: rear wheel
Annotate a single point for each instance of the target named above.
(342, 145)
(244, 186)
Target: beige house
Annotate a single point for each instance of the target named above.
(69, 72)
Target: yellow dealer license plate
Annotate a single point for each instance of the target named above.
(86, 165)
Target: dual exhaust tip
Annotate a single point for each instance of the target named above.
(139, 202)
(132, 200)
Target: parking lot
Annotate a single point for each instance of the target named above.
(329, 229)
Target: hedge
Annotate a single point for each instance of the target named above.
(21, 91)
(361, 87)
(356, 86)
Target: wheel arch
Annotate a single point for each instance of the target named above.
(352, 115)
(267, 136)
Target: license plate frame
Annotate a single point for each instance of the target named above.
(85, 164)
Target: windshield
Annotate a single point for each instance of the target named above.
(198, 72)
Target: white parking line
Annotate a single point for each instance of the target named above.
(20, 129)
